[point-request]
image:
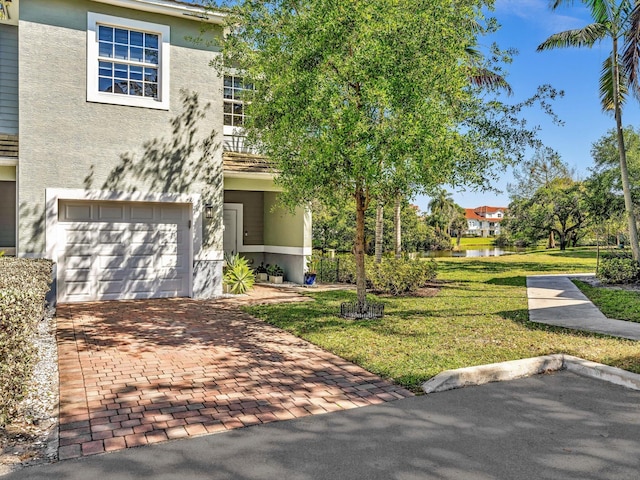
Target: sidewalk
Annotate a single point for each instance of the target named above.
(555, 300)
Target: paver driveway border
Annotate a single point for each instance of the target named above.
(146, 371)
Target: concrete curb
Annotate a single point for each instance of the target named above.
(499, 372)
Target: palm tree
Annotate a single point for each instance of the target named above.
(442, 208)
(617, 20)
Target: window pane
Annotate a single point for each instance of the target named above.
(122, 52)
(105, 84)
(135, 54)
(227, 107)
(136, 39)
(151, 56)
(135, 88)
(227, 93)
(120, 71)
(106, 69)
(237, 121)
(237, 109)
(227, 120)
(151, 74)
(105, 33)
(121, 86)
(106, 50)
(122, 36)
(237, 82)
(135, 73)
(151, 90)
(150, 40)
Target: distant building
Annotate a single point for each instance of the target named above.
(484, 221)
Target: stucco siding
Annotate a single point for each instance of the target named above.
(8, 79)
(73, 143)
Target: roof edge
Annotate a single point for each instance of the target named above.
(171, 8)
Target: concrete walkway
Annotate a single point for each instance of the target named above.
(555, 300)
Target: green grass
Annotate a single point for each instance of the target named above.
(473, 242)
(618, 304)
(478, 316)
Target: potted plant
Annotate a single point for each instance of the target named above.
(261, 272)
(276, 274)
(312, 271)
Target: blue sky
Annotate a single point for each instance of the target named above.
(526, 24)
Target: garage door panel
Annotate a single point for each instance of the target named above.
(111, 262)
(77, 289)
(142, 213)
(74, 262)
(123, 251)
(111, 213)
(106, 237)
(114, 287)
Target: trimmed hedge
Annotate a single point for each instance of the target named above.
(618, 267)
(23, 286)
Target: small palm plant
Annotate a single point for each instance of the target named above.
(238, 276)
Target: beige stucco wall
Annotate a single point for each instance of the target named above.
(255, 184)
(67, 142)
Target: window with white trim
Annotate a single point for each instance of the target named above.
(234, 112)
(127, 62)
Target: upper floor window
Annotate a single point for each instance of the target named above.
(127, 62)
(234, 112)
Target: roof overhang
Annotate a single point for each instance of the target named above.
(172, 8)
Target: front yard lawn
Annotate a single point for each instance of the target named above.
(478, 316)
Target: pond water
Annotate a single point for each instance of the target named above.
(474, 252)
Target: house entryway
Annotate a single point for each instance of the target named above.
(145, 371)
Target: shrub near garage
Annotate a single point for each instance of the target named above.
(23, 286)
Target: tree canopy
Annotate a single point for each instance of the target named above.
(358, 98)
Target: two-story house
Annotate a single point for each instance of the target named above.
(121, 152)
(484, 221)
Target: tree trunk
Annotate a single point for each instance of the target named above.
(552, 240)
(397, 226)
(379, 231)
(624, 171)
(459, 237)
(361, 281)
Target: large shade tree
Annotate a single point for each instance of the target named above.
(618, 21)
(352, 96)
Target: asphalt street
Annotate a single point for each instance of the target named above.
(553, 426)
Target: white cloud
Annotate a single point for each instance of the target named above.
(539, 13)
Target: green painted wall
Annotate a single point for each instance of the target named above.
(253, 184)
(7, 174)
(281, 227)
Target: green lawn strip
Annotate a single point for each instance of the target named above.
(618, 304)
(474, 242)
(479, 316)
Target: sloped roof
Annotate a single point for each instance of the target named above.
(246, 162)
(8, 146)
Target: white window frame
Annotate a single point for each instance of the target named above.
(233, 129)
(164, 34)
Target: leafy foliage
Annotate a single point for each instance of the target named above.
(618, 268)
(238, 275)
(353, 99)
(400, 276)
(23, 286)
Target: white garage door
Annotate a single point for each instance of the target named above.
(121, 250)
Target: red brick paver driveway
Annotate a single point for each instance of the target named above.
(140, 372)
